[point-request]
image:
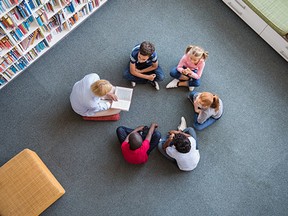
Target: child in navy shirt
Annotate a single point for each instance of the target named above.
(143, 67)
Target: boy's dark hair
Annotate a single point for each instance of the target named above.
(147, 48)
(135, 141)
(182, 143)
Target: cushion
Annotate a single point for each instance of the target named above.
(27, 187)
(115, 117)
(273, 12)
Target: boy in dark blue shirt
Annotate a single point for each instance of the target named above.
(143, 67)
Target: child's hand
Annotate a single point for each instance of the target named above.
(155, 125)
(188, 72)
(140, 128)
(151, 77)
(172, 132)
(171, 136)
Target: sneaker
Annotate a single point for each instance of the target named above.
(191, 88)
(183, 125)
(133, 84)
(172, 84)
(156, 85)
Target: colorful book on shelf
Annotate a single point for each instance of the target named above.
(26, 25)
(2, 80)
(15, 36)
(43, 16)
(90, 6)
(2, 31)
(71, 7)
(7, 43)
(19, 33)
(2, 46)
(15, 14)
(6, 77)
(26, 42)
(31, 4)
(39, 21)
(14, 2)
(76, 17)
(2, 7)
(23, 29)
(97, 3)
(8, 21)
(25, 5)
(7, 59)
(21, 11)
(13, 69)
(9, 73)
(35, 34)
(7, 4)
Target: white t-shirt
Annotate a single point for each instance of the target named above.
(185, 161)
(83, 100)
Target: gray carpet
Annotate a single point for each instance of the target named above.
(243, 165)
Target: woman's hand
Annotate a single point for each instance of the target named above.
(112, 96)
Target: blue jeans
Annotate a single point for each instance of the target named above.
(205, 124)
(191, 82)
(123, 132)
(159, 75)
(188, 130)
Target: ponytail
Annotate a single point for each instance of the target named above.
(210, 100)
(196, 51)
(215, 103)
(188, 48)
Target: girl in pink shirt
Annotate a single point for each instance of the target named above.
(189, 69)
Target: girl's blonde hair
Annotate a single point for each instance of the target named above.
(210, 100)
(196, 51)
(101, 87)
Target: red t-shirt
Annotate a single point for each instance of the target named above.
(137, 156)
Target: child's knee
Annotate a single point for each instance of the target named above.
(157, 134)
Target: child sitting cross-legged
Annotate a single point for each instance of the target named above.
(144, 67)
(189, 69)
(208, 108)
(180, 146)
(137, 144)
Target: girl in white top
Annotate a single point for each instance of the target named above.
(208, 109)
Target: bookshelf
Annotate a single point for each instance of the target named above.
(28, 28)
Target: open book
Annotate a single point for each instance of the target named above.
(124, 98)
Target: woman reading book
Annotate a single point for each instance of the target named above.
(92, 97)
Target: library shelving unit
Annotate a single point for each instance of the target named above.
(28, 28)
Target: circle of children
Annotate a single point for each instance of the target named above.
(92, 97)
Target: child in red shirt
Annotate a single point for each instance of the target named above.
(137, 144)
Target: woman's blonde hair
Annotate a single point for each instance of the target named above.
(196, 51)
(101, 87)
(210, 100)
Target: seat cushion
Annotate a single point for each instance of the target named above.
(27, 187)
(273, 12)
(115, 117)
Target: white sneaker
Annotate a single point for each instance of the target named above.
(183, 125)
(172, 84)
(156, 85)
(133, 84)
(191, 88)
